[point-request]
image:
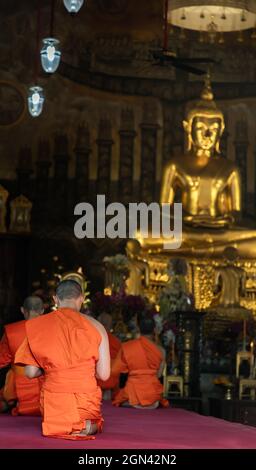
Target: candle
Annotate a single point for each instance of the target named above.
(244, 336)
(173, 357)
(252, 358)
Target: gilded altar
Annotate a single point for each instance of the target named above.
(200, 279)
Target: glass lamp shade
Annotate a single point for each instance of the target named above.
(35, 100)
(50, 55)
(73, 6)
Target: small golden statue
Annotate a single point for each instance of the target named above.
(20, 214)
(210, 188)
(229, 289)
(229, 281)
(138, 268)
(3, 198)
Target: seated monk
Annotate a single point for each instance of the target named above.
(18, 388)
(114, 345)
(71, 350)
(143, 360)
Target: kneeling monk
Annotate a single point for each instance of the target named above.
(18, 388)
(143, 360)
(114, 345)
(72, 351)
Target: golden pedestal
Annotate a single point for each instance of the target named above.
(201, 281)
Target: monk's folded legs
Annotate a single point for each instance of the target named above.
(148, 407)
(154, 405)
(90, 428)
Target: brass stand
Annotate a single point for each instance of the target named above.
(173, 380)
(247, 388)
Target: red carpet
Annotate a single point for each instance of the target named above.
(136, 429)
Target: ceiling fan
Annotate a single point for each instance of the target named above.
(165, 56)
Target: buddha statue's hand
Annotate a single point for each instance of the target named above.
(203, 220)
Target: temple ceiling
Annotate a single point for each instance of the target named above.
(114, 38)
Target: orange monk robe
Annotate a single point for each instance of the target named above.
(141, 359)
(17, 386)
(65, 345)
(8, 391)
(114, 346)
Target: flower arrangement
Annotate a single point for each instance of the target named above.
(175, 295)
(118, 261)
(129, 304)
(123, 308)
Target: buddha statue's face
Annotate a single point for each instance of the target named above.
(205, 132)
(132, 247)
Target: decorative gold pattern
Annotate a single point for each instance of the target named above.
(20, 214)
(200, 278)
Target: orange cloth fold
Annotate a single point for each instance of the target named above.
(17, 386)
(9, 392)
(141, 359)
(5, 352)
(65, 345)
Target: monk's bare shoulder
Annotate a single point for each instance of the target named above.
(162, 350)
(97, 325)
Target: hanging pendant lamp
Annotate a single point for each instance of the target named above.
(35, 100)
(35, 92)
(50, 55)
(50, 52)
(73, 6)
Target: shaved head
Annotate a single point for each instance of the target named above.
(68, 290)
(146, 324)
(32, 307)
(106, 320)
(33, 303)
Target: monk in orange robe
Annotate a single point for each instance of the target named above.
(71, 350)
(17, 386)
(114, 345)
(143, 360)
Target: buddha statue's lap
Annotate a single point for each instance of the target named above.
(210, 189)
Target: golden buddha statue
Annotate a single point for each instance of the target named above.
(210, 189)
